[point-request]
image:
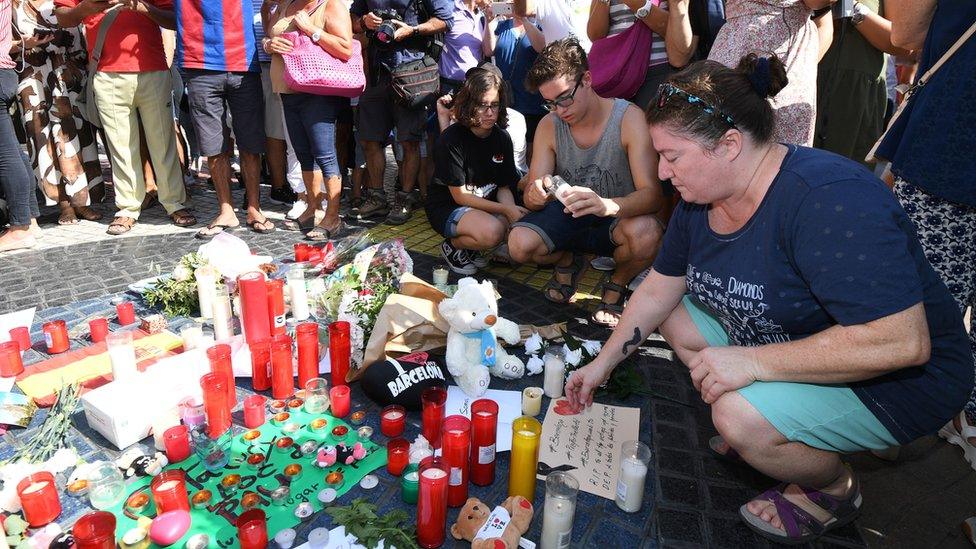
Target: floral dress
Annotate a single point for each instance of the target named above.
(782, 27)
(61, 143)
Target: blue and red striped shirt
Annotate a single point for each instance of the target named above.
(216, 35)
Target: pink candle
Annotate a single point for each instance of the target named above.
(432, 503)
(339, 397)
(392, 420)
(433, 400)
(484, 425)
(456, 437)
(254, 408)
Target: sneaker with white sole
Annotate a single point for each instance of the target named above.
(480, 259)
(458, 260)
(297, 209)
(602, 263)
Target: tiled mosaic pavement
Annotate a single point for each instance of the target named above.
(693, 498)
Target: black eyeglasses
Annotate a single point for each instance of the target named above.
(482, 108)
(565, 100)
(669, 90)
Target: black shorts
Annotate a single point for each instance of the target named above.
(212, 94)
(378, 114)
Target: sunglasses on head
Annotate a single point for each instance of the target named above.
(669, 90)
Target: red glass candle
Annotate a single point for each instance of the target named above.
(125, 312)
(392, 420)
(397, 456)
(11, 364)
(255, 316)
(56, 336)
(484, 427)
(176, 439)
(252, 529)
(220, 364)
(98, 328)
(22, 336)
(433, 400)
(339, 351)
(261, 364)
(301, 251)
(215, 404)
(95, 531)
(456, 439)
(340, 399)
(432, 503)
(276, 306)
(315, 254)
(307, 335)
(39, 498)
(169, 491)
(254, 410)
(282, 380)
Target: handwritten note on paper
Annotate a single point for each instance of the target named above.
(587, 445)
(509, 408)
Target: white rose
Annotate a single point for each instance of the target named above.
(572, 357)
(533, 344)
(592, 347)
(534, 365)
(181, 273)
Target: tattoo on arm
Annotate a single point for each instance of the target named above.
(634, 341)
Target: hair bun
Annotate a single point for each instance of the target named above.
(767, 75)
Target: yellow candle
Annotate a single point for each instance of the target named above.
(525, 457)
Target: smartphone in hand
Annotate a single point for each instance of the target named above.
(502, 8)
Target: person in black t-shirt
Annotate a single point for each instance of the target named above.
(470, 200)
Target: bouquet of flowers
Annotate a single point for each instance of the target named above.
(176, 294)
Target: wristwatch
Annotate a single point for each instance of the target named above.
(644, 10)
(316, 35)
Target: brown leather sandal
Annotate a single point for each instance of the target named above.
(120, 225)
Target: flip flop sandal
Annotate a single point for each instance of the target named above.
(615, 307)
(799, 526)
(118, 227)
(183, 218)
(729, 455)
(320, 234)
(258, 226)
(203, 233)
(566, 291)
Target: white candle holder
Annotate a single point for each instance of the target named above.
(634, 457)
(560, 510)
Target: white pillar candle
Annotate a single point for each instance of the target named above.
(298, 293)
(206, 287)
(555, 374)
(223, 317)
(122, 353)
(531, 401)
(192, 336)
(559, 511)
(440, 276)
(634, 457)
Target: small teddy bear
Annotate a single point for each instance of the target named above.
(472, 347)
(342, 454)
(498, 528)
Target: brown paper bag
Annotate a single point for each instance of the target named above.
(409, 322)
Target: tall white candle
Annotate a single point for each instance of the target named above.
(557, 523)
(122, 354)
(206, 288)
(192, 336)
(222, 316)
(555, 375)
(630, 484)
(298, 294)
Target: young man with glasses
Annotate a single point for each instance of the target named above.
(601, 147)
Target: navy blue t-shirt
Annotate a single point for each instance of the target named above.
(828, 245)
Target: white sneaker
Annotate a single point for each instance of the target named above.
(296, 209)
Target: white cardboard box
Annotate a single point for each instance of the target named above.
(123, 411)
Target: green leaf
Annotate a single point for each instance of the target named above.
(14, 525)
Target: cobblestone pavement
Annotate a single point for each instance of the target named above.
(918, 501)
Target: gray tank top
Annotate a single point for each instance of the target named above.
(604, 166)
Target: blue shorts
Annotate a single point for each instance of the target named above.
(451, 226)
(828, 417)
(562, 232)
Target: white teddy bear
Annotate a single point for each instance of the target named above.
(472, 348)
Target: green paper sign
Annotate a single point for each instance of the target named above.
(218, 519)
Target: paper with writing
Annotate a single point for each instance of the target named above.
(509, 408)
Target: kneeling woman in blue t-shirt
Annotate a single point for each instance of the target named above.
(793, 286)
(471, 201)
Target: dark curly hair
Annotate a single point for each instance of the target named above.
(561, 58)
(707, 98)
(477, 83)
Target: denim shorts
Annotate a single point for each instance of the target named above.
(562, 232)
(828, 417)
(451, 226)
(310, 120)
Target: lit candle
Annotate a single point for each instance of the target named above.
(176, 439)
(409, 484)
(94, 531)
(192, 335)
(297, 292)
(123, 355)
(440, 276)
(525, 457)
(397, 456)
(339, 400)
(39, 498)
(456, 437)
(223, 316)
(169, 491)
(206, 289)
(433, 400)
(484, 425)
(555, 373)
(252, 529)
(432, 503)
(307, 335)
(392, 420)
(531, 401)
(557, 520)
(634, 457)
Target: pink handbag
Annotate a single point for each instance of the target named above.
(618, 63)
(311, 69)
